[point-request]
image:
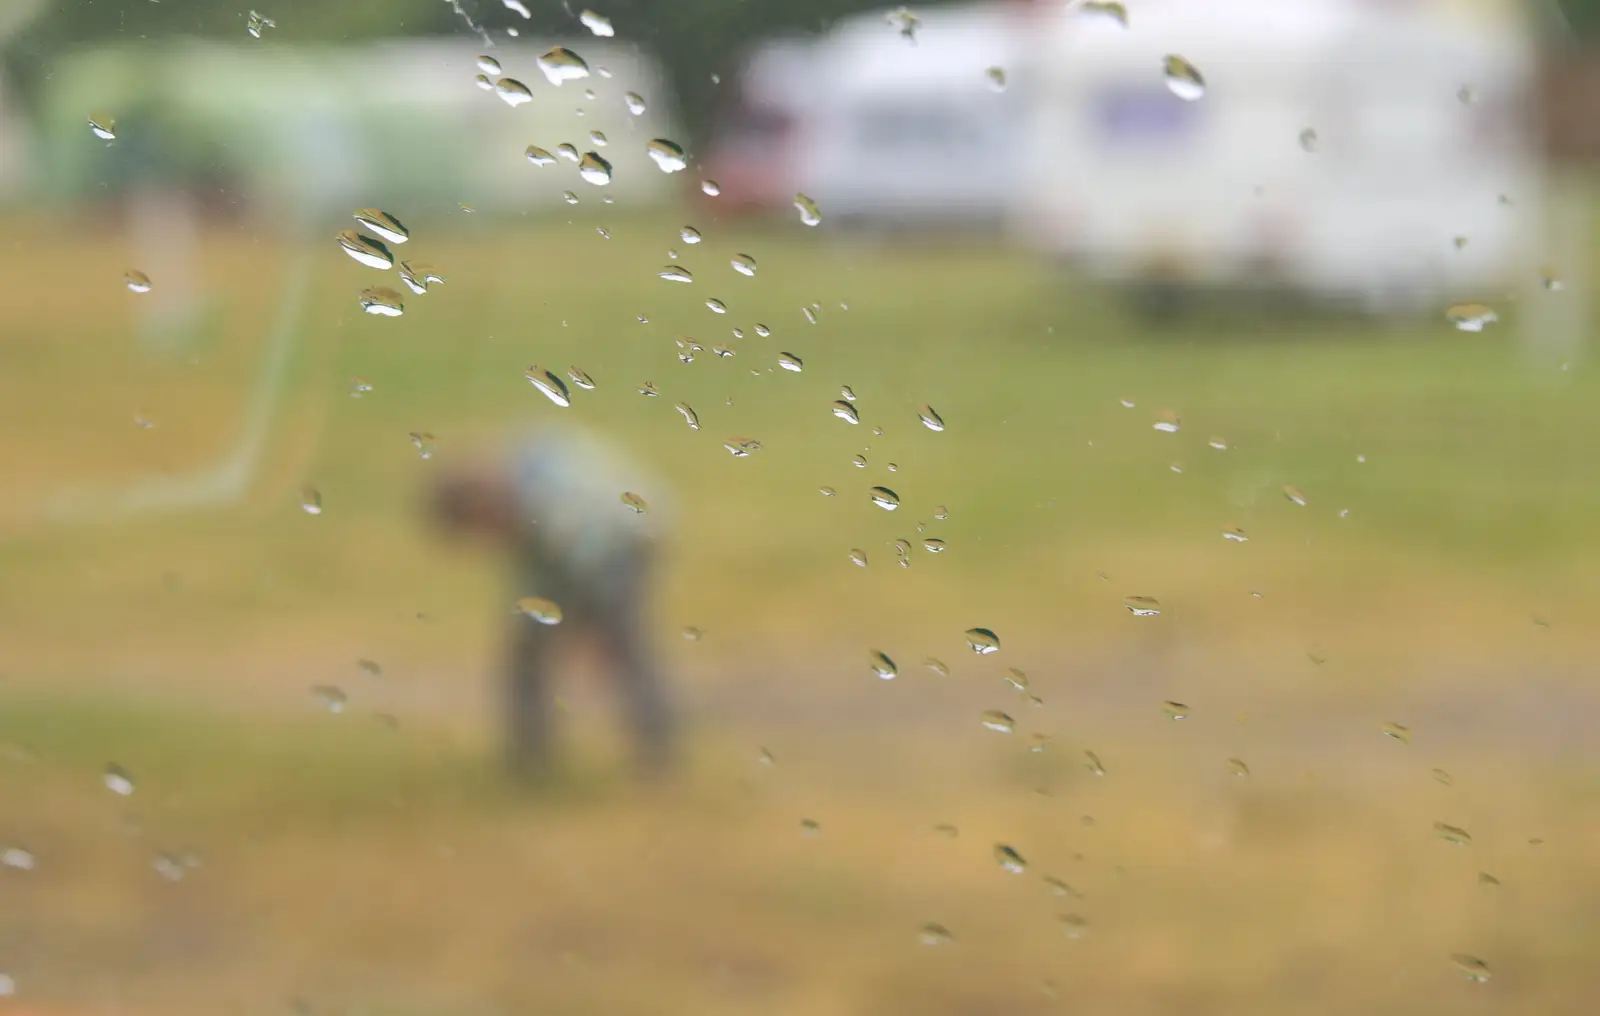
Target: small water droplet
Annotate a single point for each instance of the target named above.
(997, 721)
(692, 634)
(580, 379)
(1175, 710)
(1168, 424)
(716, 306)
(1397, 731)
(742, 447)
(423, 442)
(382, 301)
(1113, 9)
(538, 156)
(675, 273)
(996, 77)
(512, 92)
(117, 780)
(860, 462)
(937, 666)
(311, 501)
(551, 386)
(418, 276)
(370, 668)
(809, 213)
(788, 361)
(1092, 762)
(594, 169)
(1294, 496)
(810, 827)
(599, 24)
(882, 665)
(561, 65)
(744, 264)
(1443, 777)
(689, 416)
(136, 281)
(490, 66)
(1452, 834)
(668, 155)
(845, 411)
(1142, 606)
(766, 759)
(330, 697)
(858, 557)
(934, 935)
(828, 491)
(539, 608)
(1009, 860)
(385, 225)
(648, 388)
(635, 103)
(569, 151)
(634, 502)
(930, 419)
(103, 127)
(763, 331)
(1471, 317)
(981, 640)
(883, 497)
(933, 545)
(710, 188)
(1484, 878)
(1466, 96)
(1183, 78)
(19, 858)
(1308, 139)
(569, 197)
(364, 249)
(1237, 767)
(1235, 535)
(904, 22)
(483, 82)
(1471, 966)
(257, 23)
(940, 512)
(1551, 281)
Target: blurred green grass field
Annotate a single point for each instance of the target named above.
(386, 871)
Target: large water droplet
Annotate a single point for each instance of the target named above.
(1175, 710)
(675, 273)
(553, 387)
(1009, 860)
(744, 264)
(930, 419)
(788, 361)
(846, 412)
(809, 213)
(561, 64)
(982, 641)
(385, 225)
(595, 169)
(716, 306)
(545, 611)
(490, 66)
(581, 379)
(667, 154)
(882, 665)
(539, 157)
(635, 103)
(103, 127)
(597, 23)
(512, 92)
(997, 721)
(689, 416)
(382, 301)
(364, 249)
(136, 281)
(1183, 78)
(884, 498)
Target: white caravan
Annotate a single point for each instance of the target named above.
(1353, 149)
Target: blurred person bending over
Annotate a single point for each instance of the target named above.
(554, 504)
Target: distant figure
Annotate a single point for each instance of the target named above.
(555, 504)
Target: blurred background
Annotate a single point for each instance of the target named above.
(1230, 365)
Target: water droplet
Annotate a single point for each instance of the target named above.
(766, 759)
(136, 281)
(941, 512)
(423, 442)
(382, 301)
(1076, 926)
(1398, 732)
(1183, 78)
(543, 610)
(385, 225)
(1551, 281)
(930, 419)
(539, 157)
(1175, 710)
(8, 985)
(1471, 966)
(257, 23)
(858, 557)
(937, 666)
(580, 379)
(882, 665)
(933, 545)
(311, 501)
(1308, 139)
(359, 387)
(1452, 834)
(689, 416)
(996, 77)
(692, 634)
(1471, 317)
(418, 277)
(883, 497)
(1443, 777)
(490, 66)
(512, 92)
(810, 827)
(330, 697)
(370, 668)
(742, 447)
(1484, 878)
(710, 188)
(1466, 96)
(828, 491)
(811, 315)
(1220, 444)
(117, 780)
(860, 462)
(1460, 242)
(981, 640)
(1092, 762)
(594, 169)
(518, 7)
(483, 82)
(597, 23)
(1113, 9)
(1009, 860)
(364, 249)
(1168, 424)
(1237, 767)
(744, 264)
(648, 388)
(674, 273)
(934, 935)
(567, 150)
(763, 331)
(667, 154)
(636, 503)
(561, 64)
(718, 307)
(846, 412)
(690, 235)
(997, 721)
(553, 387)
(809, 214)
(1016, 678)
(569, 197)
(904, 22)
(1142, 606)
(18, 858)
(1294, 496)
(635, 103)
(103, 127)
